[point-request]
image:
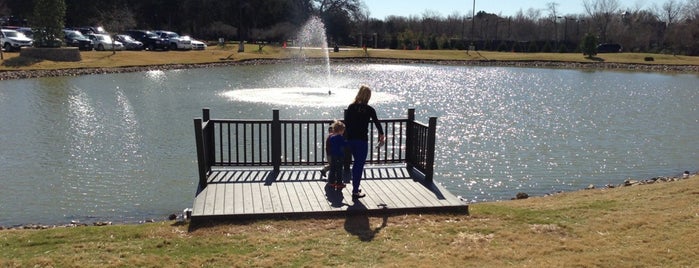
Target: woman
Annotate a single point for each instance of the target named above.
(357, 118)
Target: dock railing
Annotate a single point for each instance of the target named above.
(276, 143)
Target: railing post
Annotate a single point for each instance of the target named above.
(276, 141)
(209, 138)
(201, 152)
(206, 115)
(431, 140)
(409, 138)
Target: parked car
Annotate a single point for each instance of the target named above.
(150, 40)
(198, 45)
(13, 40)
(176, 41)
(85, 30)
(609, 48)
(74, 38)
(105, 42)
(26, 31)
(46, 41)
(129, 42)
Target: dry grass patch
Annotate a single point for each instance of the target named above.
(107, 59)
(650, 225)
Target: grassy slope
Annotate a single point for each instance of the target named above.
(639, 226)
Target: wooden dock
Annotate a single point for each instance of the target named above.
(244, 193)
(252, 169)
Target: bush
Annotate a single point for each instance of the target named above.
(562, 49)
(502, 47)
(533, 47)
(648, 59)
(547, 47)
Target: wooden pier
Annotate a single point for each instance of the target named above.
(253, 169)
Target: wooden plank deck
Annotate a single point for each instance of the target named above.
(256, 192)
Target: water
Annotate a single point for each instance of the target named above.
(120, 147)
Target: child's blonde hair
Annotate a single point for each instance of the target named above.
(338, 126)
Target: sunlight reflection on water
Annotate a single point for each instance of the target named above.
(304, 96)
(120, 146)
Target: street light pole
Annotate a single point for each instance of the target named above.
(473, 17)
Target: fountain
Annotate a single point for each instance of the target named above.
(319, 90)
(312, 36)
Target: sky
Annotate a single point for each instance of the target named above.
(380, 9)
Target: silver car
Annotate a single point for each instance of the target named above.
(105, 42)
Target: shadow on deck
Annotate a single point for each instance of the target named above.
(239, 194)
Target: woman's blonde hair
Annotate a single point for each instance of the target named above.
(363, 95)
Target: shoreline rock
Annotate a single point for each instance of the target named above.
(27, 74)
(630, 182)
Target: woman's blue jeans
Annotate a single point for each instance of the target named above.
(359, 148)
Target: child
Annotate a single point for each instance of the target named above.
(337, 144)
(325, 168)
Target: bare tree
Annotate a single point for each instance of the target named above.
(692, 10)
(553, 16)
(117, 19)
(4, 10)
(669, 12)
(602, 13)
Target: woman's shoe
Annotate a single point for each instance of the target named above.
(358, 195)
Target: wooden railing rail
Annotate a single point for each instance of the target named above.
(276, 143)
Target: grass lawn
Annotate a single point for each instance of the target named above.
(639, 226)
(97, 59)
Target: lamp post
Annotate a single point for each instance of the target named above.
(376, 41)
(473, 18)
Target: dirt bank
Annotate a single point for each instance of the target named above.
(24, 74)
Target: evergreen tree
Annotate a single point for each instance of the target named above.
(49, 16)
(589, 45)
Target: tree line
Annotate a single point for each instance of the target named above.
(671, 27)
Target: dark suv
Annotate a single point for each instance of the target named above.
(150, 40)
(609, 48)
(74, 38)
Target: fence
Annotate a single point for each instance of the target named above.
(276, 143)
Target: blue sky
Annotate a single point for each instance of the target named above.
(381, 8)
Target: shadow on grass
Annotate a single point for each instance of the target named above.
(20, 62)
(595, 58)
(357, 223)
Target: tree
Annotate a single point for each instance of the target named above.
(589, 45)
(116, 19)
(48, 22)
(602, 13)
(670, 12)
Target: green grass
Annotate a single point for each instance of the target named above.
(639, 226)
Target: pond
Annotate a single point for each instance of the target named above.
(120, 147)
